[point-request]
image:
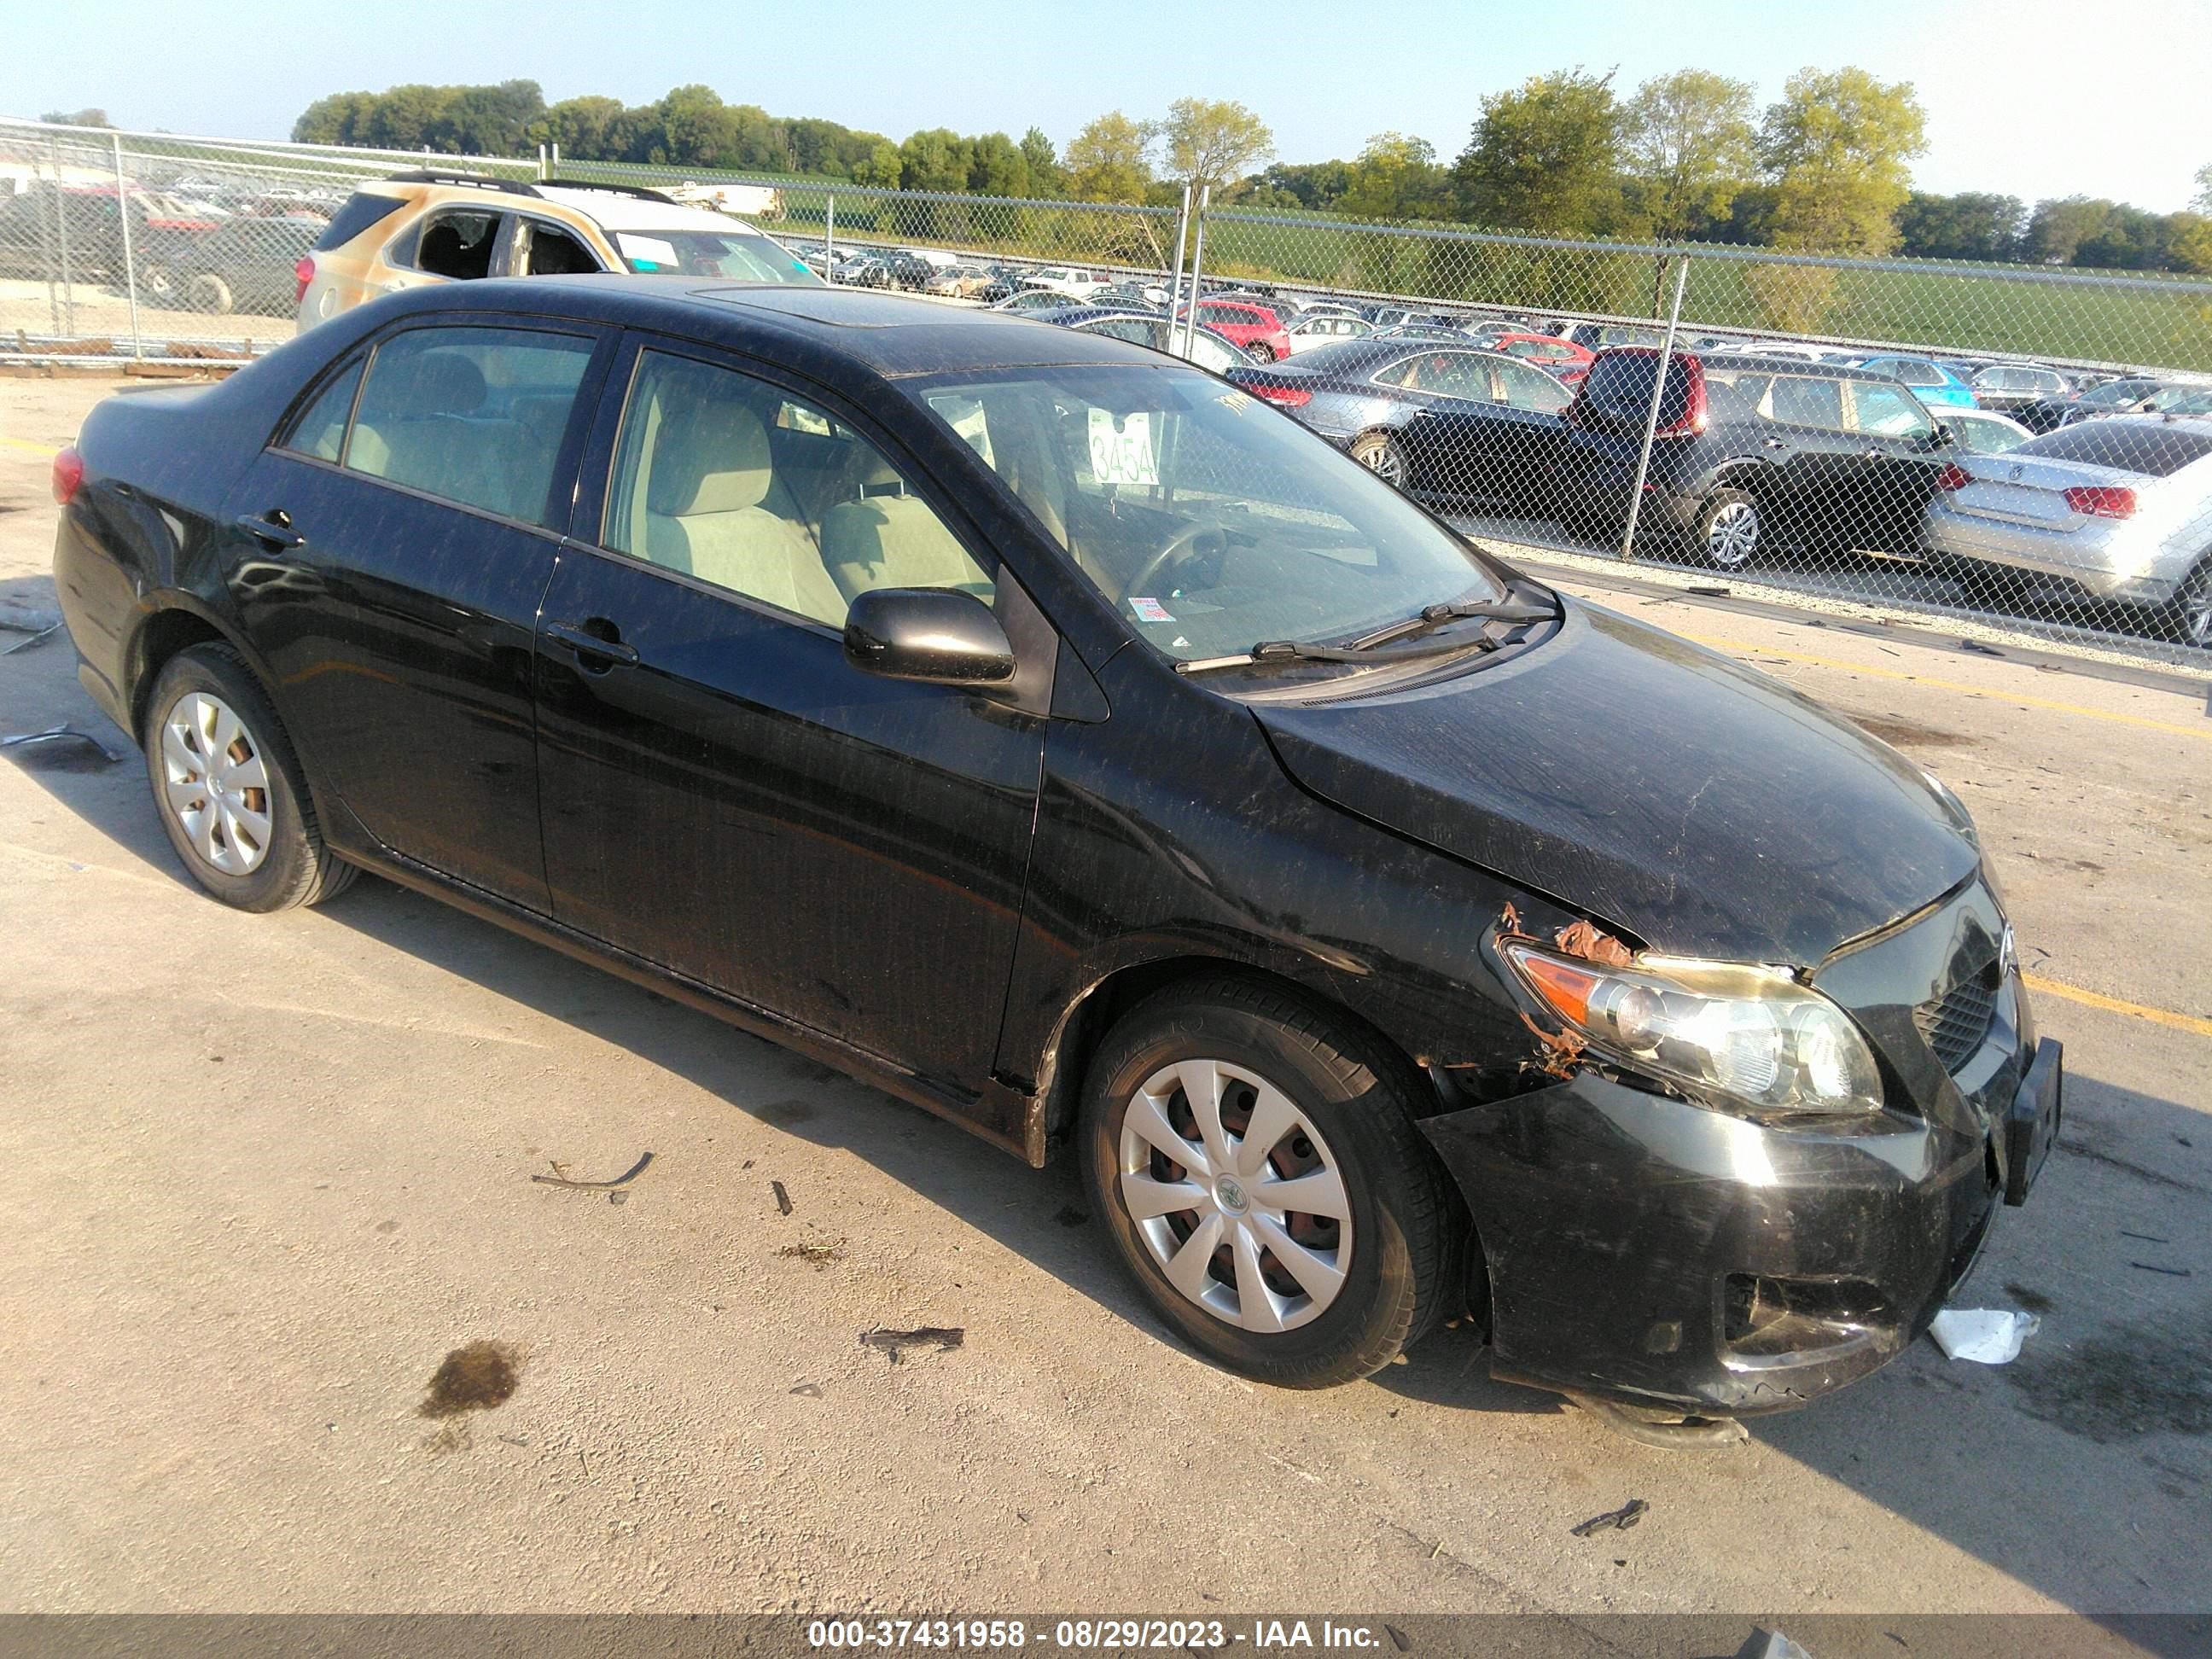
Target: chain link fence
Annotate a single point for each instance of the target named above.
(2028, 446)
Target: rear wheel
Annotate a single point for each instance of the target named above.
(157, 280)
(1379, 453)
(2192, 604)
(1264, 1183)
(210, 294)
(1727, 529)
(230, 789)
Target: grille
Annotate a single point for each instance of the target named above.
(1955, 1023)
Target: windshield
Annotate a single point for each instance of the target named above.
(746, 256)
(1209, 520)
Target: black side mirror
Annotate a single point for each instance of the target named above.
(1939, 437)
(934, 633)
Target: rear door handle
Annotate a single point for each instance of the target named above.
(585, 640)
(272, 529)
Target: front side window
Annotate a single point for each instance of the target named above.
(1209, 520)
(729, 479)
(549, 251)
(475, 415)
(457, 245)
(1531, 388)
(1888, 411)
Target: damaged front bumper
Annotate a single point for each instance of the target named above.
(1637, 1247)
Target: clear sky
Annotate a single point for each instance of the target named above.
(2033, 98)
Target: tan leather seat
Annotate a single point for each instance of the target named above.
(711, 469)
(888, 539)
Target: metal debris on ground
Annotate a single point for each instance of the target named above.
(63, 733)
(29, 640)
(1987, 1336)
(783, 1198)
(811, 1390)
(2152, 1268)
(1620, 1520)
(814, 1256)
(895, 1343)
(560, 1178)
(1770, 1644)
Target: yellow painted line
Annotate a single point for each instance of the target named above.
(2201, 732)
(2191, 1023)
(25, 443)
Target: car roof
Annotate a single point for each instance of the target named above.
(616, 211)
(850, 335)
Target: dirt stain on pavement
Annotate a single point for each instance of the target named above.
(2147, 1377)
(474, 1378)
(1902, 733)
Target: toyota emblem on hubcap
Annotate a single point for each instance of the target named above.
(1230, 1192)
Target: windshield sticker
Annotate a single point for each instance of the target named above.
(1122, 454)
(1235, 401)
(1150, 611)
(646, 252)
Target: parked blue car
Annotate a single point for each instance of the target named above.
(1931, 382)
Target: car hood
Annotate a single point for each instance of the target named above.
(1663, 789)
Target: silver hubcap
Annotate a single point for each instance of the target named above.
(2197, 609)
(214, 785)
(1236, 1195)
(1383, 459)
(1734, 535)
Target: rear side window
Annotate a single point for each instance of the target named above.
(362, 209)
(470, 414)
(2158, 452)
(1801, 400)
(457, 245)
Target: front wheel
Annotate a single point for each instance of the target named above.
(1260, 353)
(1261, 1178)
(230, 789)
(210, 294)
(1727, 529)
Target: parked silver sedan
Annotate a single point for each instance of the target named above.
(2123, 505)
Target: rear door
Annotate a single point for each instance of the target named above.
(392, 546)
(1807, 444)
(1890, 478)
(724, 793)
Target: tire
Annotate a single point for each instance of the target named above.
(2192, 607)
(208, 293)
(1378, 452)
(1728, 530)
(1367, 1284)
(1260, 353)
(256, 846)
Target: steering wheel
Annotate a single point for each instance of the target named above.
(1176, 547)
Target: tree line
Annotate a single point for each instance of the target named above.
(1688, 156)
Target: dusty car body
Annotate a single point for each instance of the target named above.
(994, 839)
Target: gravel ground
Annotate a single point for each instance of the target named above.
(267, 1174)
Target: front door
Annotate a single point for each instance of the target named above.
(725, 794)
(1892, 471)
(392, 546)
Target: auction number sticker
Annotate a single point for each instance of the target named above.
(1122, 452)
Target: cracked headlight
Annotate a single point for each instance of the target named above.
(1741, 1039)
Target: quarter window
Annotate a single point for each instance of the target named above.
(475, 415)
(726, 478)
(320, 431)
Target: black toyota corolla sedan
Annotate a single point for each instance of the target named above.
(1055, 735)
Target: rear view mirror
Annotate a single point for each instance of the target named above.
(932, 634)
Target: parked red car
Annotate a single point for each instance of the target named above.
(1563, 359)
(1255, 329)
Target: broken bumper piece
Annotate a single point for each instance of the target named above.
(1637, 1247)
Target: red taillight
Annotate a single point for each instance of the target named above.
(1953, 477)
(69, 474)
(303, 273)
(1697, 409)
(1291, 396)
(2093, 501)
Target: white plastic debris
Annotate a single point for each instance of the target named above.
(1988, 1336)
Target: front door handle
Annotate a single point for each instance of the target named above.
(1777, 443)
(1873, 452)
(272, 529)
(597, 638)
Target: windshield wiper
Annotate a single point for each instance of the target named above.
(1433, 616)
(1284, 651)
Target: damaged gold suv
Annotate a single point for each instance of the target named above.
(417, 228)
